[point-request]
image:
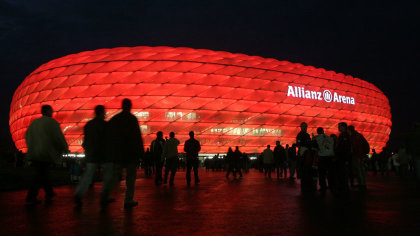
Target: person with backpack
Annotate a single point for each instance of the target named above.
(325, 147)
(359, 150)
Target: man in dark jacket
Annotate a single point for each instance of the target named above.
(156, 150)
(94, 143)
(191, 148)
(126, 148)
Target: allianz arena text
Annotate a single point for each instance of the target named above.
(226, 99)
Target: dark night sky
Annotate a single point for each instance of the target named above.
(375, 42)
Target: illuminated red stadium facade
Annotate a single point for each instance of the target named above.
(227, 99)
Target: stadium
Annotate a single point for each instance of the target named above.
(227, 99)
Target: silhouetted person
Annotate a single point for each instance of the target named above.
(126, 147)
(170, 153)
(342, 153)
(237, 160)
(359, 151)
(268, 159)
(303, 142)
(374, 161)
(191, 148)
(280, 163)
(157, 150)
(291, 159)
(325, 147)
(230, 163)
(95, 145)
(148, 163)
(46, 144)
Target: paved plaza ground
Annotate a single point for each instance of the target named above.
(253, 205)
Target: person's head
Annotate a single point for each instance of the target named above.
(47, 110)
(268, 146)
(342, 127)
(126, 105)
(191, 134)
(236, 148)
(278, 143)
(303, 127)
(172, 135)
(320, 130)
(287, 145)
(230, 149)
(100, 112)
(373, 150)
(159, 134)
(147, 150)
(351, 129)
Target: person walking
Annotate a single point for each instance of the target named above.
(268, 159)
(157, 150)
(280, 164)
(46, 144)
(95, 145)
(170, 153)
(126, 148)
(191, 148)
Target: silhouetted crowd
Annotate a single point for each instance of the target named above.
(333, 162)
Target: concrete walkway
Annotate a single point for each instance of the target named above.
(253, 205)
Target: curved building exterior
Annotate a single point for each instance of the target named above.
(227, 99)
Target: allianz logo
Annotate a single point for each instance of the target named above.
(326, 95)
